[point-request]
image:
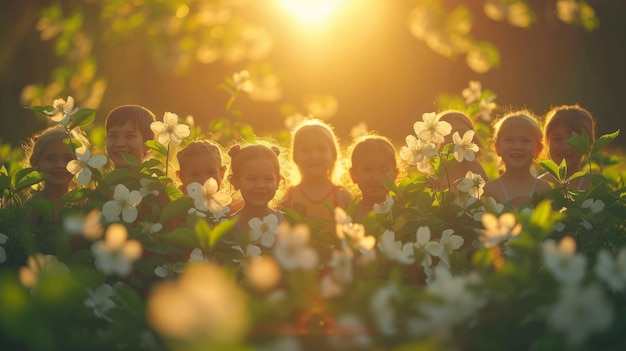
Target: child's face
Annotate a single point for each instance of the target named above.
(517, 145)
(53, 162)
(200, 169)
(124, 139)
(313, 155)
(368, 175)
(559, 150)
(257, 182)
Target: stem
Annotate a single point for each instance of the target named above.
(445, 169)
(167, 158)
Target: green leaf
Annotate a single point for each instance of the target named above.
(147, 164)
(118, 176)
(203, 232)
(44, 110)
(603, 141)
(183, 236)
(580, 142)
(21, 174)
(176, 208)
(82, 118)
(219, 231)
(42, 206)
(29, 179)
(562, 170)
(76, 195)
(551, 167)
(156, 146)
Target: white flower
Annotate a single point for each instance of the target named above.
(417, 153)
(595, 206)
(449, 242)
(563, 262)
(464, 148)
(197, 255)
(473, 184)
(498, 229)
(431, 128)
(242, 82)
(81, 167)
(384, 207)
(115, 254)
(612, 271)
(169, 130)
(147, 185)
(559, 226)
(209, 197)
(472, 93)
(580, 312)
(100, 301)
(3, 254)
(486, 108)
(251, 251)
(203, 307)
(382, 308)
(62, 110)
(341, 262)
(89, 225)
(291, 250)
(124, 202)
(458, 303)
(38, 265)
(396, 250)
(264, 230)
(585, 223)
(427, 248)
(150, 228)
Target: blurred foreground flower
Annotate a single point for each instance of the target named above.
(612, 270)
(115, 254)
(169, 130)
(563, 262)
(39, 264)
(204, 307)
(498, 229)
(472, 93)
(3, 254)
(580, 312)
(100, 301)
(291, 249)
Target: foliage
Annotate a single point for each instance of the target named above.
(132, 263)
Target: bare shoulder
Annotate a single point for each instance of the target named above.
(493, 189)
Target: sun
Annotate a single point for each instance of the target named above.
(310, 11)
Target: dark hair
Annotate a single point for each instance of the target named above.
(240, 155)
(574, 117)
(199, 147)
(364, 146)
(139, 118)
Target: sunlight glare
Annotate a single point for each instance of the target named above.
(310, 11)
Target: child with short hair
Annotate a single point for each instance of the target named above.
(314, 150)
(198, 161)
(561, 123)
(255, 173)
(128, 128)
(517, 141)
(373, 158)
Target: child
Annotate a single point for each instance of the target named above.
(561, 123)
(255, 172)
(128, 128)
(517, 139)
(460, 123)
(199, 161)
(373, 158)
(314, 151)
(47, 152)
